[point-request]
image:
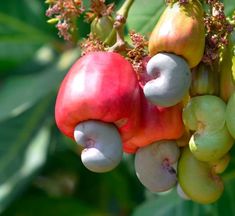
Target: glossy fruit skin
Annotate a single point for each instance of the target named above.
(103, 86)
(198, 179)
(180, 30)
(102, 27)
(157, 123)
(99, 86)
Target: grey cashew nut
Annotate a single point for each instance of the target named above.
(171, 79)
(154, 165)
(102, 145)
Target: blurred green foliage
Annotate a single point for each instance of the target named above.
(40, 170)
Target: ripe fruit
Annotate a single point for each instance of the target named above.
(109, 92)
(91, 91)
(154, 165)
(198, 179)
(157, 123)
(171, 78)
(102, 145)
(230, 115)
(180, 30)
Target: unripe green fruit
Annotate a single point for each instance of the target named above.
(198, 180)
(205, 112)
(227, 69)
(204, 81)
(211, 146)
(102, 27)
(233, 69)
(220, 165)
(230, 115)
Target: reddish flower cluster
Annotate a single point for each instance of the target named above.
(218, 30)
(137, 52)
(65, 12)
(99, 8)
(91, 44)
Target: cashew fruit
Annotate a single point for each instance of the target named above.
(198, 179)
(99, 86)
(206, 115)
(180, 30)
(101, 105)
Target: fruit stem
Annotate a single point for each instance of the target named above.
(123, 11)
(118, 27)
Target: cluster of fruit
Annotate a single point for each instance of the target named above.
(172, 118)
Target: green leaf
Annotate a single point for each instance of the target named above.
(48, 206)
(229, 7)
(19, 93)
(23, 29)
(144, 15)
(23, 149)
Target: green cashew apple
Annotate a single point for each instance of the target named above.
(205, 112)
(198, 179)
(206, 115)
(230, 115)
(210, 146)
(220, 165)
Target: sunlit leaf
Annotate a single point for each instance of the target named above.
(23, 149)
(46, 206)
(144, 15)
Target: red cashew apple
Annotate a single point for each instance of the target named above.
(100, 86)
(101, 92)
